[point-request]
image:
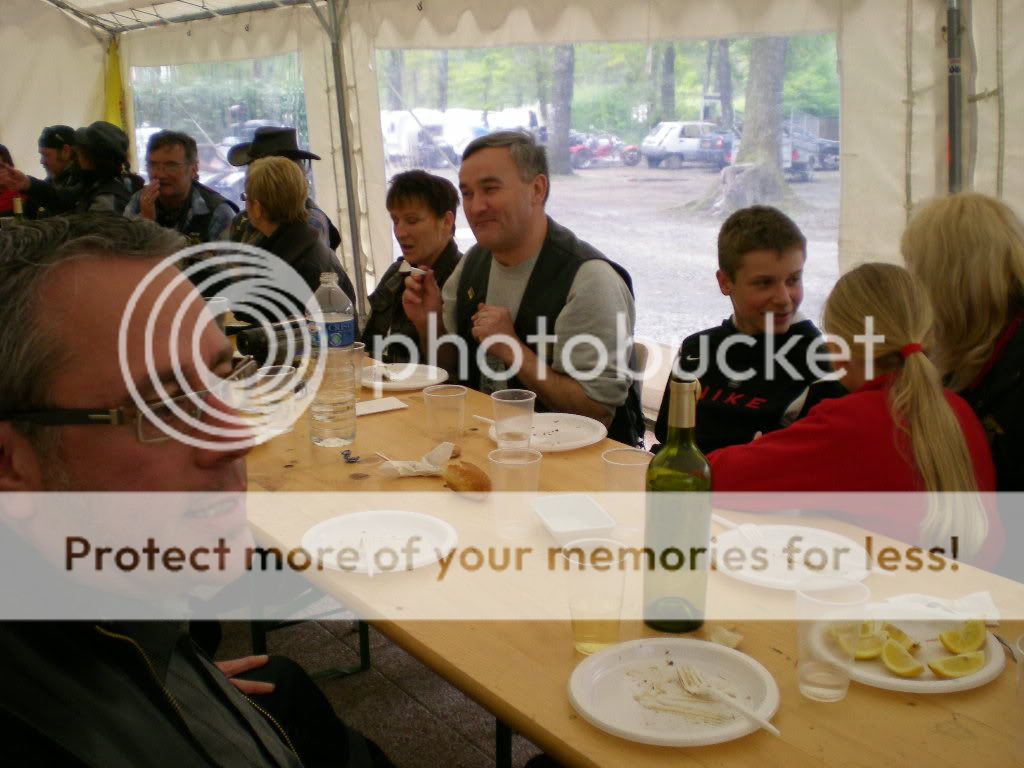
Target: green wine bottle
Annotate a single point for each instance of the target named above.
(677, 530)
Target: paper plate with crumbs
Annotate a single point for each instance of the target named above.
(631, 690)
(555, 432)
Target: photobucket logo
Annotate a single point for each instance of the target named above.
(190, 402)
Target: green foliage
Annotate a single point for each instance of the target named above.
(812, 77)
(197, 98)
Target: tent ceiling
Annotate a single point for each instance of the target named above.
(124, 15)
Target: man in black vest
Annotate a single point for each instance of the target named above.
(174, 198)
(540, 306)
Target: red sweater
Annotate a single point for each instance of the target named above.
(850, 444)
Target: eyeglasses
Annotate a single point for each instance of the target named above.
(151, 423)
(169, 166)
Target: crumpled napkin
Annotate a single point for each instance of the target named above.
(432, 463)
(977, 605)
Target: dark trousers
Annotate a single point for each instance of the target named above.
(304, 713)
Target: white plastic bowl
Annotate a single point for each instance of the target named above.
(573, 516)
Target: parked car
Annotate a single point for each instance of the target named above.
(719, 149)
(828, 155)
(674, 143)
(798, 154)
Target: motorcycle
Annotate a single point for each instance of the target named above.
(589, 151)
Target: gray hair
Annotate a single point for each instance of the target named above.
(530, 158)
(29, 353)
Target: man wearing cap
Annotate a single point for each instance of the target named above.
(173, 198)
(57, 156)
(103, 184)
(273, 141)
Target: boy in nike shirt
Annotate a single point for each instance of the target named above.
(758, 371)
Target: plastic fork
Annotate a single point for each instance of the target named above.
(695, 685)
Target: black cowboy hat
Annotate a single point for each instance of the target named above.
(269, 141)
(103, 139)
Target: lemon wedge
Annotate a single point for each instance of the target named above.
(861, 648)
(901, 637)
(958, 666)
(898, 660)
(967, 638)
(868, 628)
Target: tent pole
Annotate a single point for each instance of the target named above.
(332, 27)
(955, 147)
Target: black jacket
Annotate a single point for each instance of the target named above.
(82, 694)
(732, 410)
(998, 402)
(387, 316)
(299, 245)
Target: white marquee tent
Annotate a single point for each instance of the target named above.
(893, 73)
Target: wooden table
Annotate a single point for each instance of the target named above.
(519, 670)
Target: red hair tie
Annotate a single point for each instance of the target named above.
(908, 349)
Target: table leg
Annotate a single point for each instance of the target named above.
(503, 745)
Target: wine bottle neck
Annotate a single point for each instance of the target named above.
(682, 436)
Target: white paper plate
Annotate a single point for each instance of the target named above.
(402, 376)
(554, 432)
(924, 626)
(380, 537)
(780, 573)
(601, 690)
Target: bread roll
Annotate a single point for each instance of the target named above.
(463, 477)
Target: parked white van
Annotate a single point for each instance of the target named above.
(674, 143)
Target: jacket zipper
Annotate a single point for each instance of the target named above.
(277, 725)
(152, 671)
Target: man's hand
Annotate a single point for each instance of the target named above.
(233, 667)
(420, 299)
(147, 200)
(491, 320)
(12, 178)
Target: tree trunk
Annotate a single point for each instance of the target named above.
(442, 80)
(762, 125)
(756, 175)
(393, 77)
(668, 83)
(724, 78)
(561, 109)
(541, 77)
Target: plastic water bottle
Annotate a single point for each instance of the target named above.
(333, 410)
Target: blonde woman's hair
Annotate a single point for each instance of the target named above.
(968, 251)
(279, 185)
(923, 417)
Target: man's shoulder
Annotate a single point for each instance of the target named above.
(564, 239)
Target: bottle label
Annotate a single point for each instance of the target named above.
(339, 334)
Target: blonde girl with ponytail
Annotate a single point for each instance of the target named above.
(898, 431)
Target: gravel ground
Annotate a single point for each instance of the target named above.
(637, 216)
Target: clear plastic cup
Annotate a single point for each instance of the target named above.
(515, 469)
(446, 412)
(597, 574)
(625, 469)
(513, 417)
(829, 614)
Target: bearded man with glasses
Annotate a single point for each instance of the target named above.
(122, 434)
(174, 198)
